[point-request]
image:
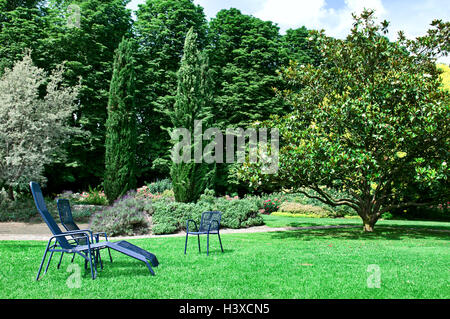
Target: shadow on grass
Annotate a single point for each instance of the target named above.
(380, 232)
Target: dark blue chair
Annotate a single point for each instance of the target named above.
(70, 241)
(209, 224)
(66, 218)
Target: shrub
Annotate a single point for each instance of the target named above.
(155, 193)
(440, 212)
(169, 216)
(83, 214)
(93, 197)
(159, 186)
(339, 211)
(308, 215)
(127, 216)
(271, 206)
(387, 215)
(23, 209)
(297, 208)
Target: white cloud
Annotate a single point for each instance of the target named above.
(316, 14)
(412, 16)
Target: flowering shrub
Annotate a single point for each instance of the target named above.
(127, 216)
(271, 206)
(145, 192)
(93, 197)
(227, 197)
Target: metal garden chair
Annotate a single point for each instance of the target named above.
(209, 224)
(64, 242)
(66, 218)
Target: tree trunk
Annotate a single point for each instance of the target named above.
(369, 219)
(10, 193)
(368, 226)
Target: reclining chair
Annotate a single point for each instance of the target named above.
(66, 218)
(69, 242)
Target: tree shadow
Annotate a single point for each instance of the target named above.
(355, 233)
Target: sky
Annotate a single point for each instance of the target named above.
(334, 16)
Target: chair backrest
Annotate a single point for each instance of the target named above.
(209, 217)
(46, 216)
(65, 214)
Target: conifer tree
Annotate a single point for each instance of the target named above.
(192, 103)
(121, 125)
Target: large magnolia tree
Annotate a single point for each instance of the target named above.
(371, 120)
(34, 108)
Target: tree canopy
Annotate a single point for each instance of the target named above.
(32, 125)
(370, 121)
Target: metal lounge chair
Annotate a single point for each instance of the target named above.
(209, 224)
(64, 242)
(66, 218)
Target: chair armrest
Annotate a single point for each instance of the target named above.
(210, 224)
(75, 232)
(87, 231)
(97, 236)
(187, 225)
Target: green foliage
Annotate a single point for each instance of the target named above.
(159, 186)
(89, 52)
(271, 206)
(34, 111)
(161, 29)
(192, 103)
(245, 53)
(169, 217)
(23, 208)
(22, 27)
(127, 216)
(299, 45)
(370, 121)
(93, 197)
(437, 212)
(121, 126)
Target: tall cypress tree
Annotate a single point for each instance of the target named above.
(161, 27)
(192, 103)
(121, 125)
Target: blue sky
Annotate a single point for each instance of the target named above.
(334, 16)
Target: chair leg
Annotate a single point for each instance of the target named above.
(185, 244)
(42, 262)
(220, 241)
(207, 244)
(198, 239)
(98, 258)
(93, 267)
(109, 251)
(73, 257)
(60, 259)
(48, 263)
(150, 268)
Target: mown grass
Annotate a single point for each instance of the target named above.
(275, 220)
(317, 263)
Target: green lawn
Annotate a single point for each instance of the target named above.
(325, 263)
